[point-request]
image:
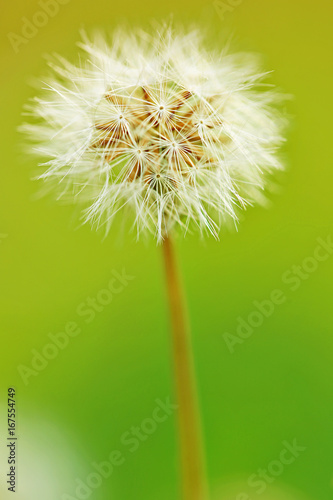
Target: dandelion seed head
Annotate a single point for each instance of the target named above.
(159, 129)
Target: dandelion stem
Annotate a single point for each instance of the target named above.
(192, 466)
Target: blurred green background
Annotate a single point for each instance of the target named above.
(277, 385)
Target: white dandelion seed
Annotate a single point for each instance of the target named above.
(160, 128)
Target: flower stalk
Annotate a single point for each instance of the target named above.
(191, 453)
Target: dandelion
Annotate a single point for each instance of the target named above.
(172, 136)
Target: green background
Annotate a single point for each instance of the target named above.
(276, 386)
